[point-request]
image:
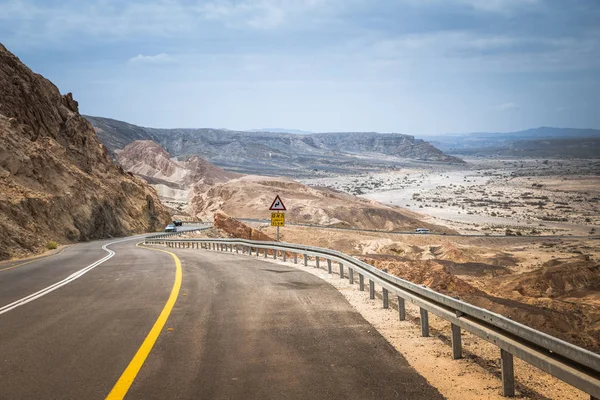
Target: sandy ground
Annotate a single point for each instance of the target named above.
(476, 376)
(489, 195)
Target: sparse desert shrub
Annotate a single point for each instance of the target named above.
(52, 245)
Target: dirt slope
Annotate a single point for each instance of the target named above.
(56, 179)
(251, 196)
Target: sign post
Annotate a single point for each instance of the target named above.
(277, 217)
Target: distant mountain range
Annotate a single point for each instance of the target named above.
(538, 142)
(272, 153)
(281, 130)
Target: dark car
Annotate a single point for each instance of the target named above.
(178, 222)
(170, 228)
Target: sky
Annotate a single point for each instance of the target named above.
(418, 67)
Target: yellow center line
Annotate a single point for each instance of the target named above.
(126, 380)
(34, 260)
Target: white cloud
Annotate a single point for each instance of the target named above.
(258, 14)
(161, 58)
(490, 52)
(508, 107)
(502, 6)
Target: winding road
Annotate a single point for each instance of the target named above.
(148, 323)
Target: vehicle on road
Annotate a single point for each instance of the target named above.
(422, 230)
(178, 222)
(171, 228)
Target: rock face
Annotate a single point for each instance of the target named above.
(238, 229)
(56, 179)
(271, 153)
(175, 181)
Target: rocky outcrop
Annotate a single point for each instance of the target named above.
(56, 179)
(237, 229)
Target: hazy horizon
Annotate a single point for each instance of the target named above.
(415, 67)
(300, 132)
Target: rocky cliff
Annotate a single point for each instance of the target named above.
(57, 181)
(272, 153)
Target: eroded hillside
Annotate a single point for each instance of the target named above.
(56, 179)
(175, 181)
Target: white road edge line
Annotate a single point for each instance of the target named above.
(67, 280)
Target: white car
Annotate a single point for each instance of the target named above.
(171, 228)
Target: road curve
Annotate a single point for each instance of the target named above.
(240, 328)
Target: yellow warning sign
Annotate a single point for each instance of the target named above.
(277, 219)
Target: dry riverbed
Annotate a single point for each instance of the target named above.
(490, 196)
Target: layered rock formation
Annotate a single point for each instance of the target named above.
(175, 181)
(57, 181)
(272, 153)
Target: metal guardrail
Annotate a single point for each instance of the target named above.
(565, 361)
(167, 235)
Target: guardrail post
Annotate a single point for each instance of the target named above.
(351, 276)
(317, 266)
(284, 255)
(265, 249)
(371, 290)
(508, 373)
(456, 342)
(401, 309)
(328, 266)
(237, 249)
(424, 322)
(305, 260)
(341, 271)
(386, 299)
(361, 282)
(274, 254)
(295, 258)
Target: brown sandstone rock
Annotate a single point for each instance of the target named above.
(238, 229)
(56, 180)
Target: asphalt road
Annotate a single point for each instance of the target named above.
(241, 328)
